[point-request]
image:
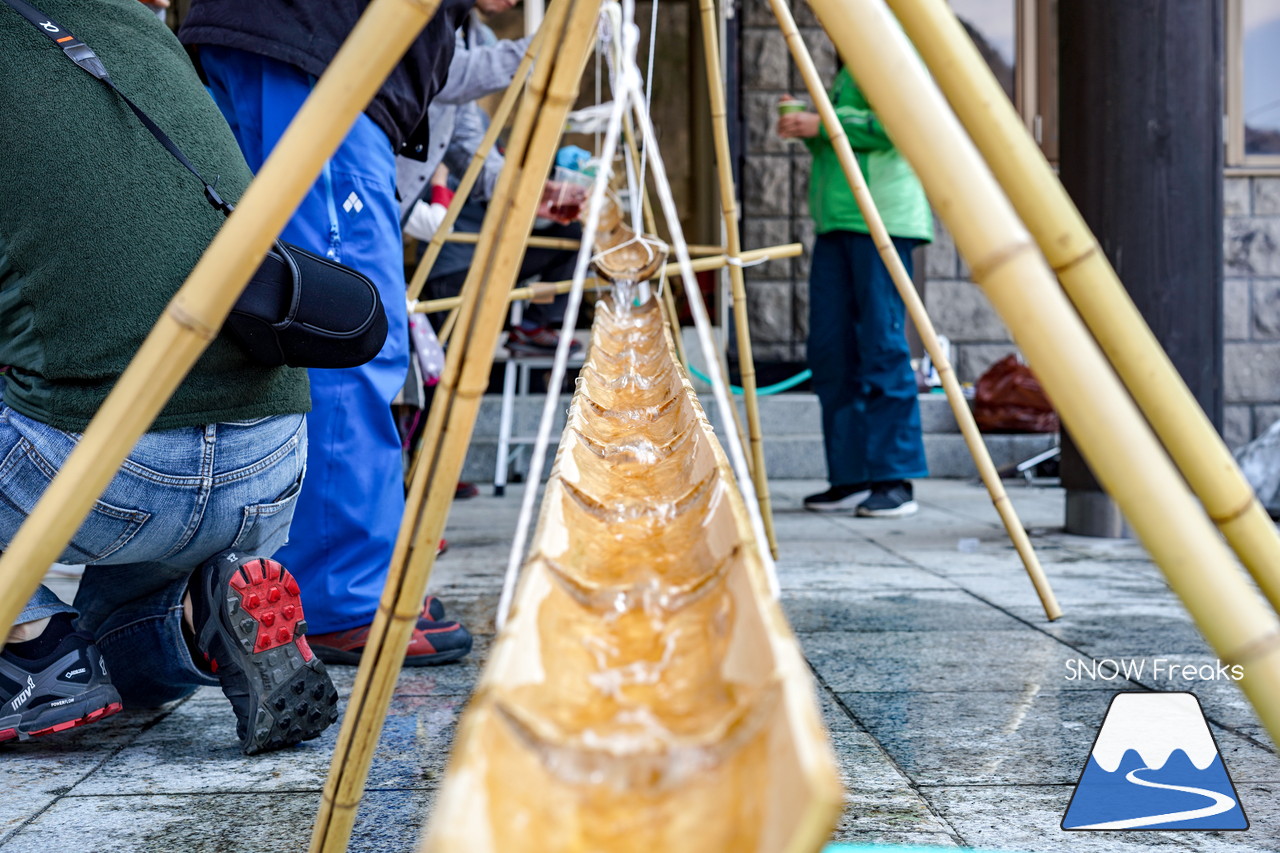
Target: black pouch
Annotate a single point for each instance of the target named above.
(305, 310)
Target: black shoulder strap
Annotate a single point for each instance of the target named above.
(82, 55)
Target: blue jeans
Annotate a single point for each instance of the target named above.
(350, 509)
(861, 364)
(182, 496)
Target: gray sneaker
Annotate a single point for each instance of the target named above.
(889, 499)
(65, 688)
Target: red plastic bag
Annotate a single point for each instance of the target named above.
(1008, 398)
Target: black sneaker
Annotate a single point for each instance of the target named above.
(889, 499)
(838, 497)
(65, 688)
(249, 626)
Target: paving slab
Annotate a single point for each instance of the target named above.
(949, 699)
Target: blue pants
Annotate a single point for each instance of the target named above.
(861, 365)
(345, 526)
(183, 496)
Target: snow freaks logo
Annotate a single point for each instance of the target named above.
(1155, 765)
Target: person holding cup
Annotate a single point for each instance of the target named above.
(857, 345)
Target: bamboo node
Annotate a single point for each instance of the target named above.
(1077, 260)
(1265, 645)
(987, 266)
(189, 321)
(1227, 518)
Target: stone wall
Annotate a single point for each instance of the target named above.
(775, 174)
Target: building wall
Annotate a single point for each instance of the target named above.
(774, 190)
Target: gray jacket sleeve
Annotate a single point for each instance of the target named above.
(479, 71)
(468, 131)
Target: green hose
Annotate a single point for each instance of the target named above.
(775, 388)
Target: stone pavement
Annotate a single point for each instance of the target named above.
(948, 697)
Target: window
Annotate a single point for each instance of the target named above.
(1253, 71)
(1019, 41)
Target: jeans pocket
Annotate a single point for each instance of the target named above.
(24, 477)
(264, 523)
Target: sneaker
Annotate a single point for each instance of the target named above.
(433, 609)
(889, 499)
(838, 498)
(466, 490)
(434, 641)
(537, 341)
(249, 627)
(65, 688)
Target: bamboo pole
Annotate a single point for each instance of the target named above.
(751, 256)
(476, 166)
(729, 210)
(1112, 435)
(551, 91)
(195, 314)
(1095, 289)
(539, 242)
(915, 308)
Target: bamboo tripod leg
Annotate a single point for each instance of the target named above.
(196, 312)
(571, 28)
(1112, 435)
(1095, 289)
(733, 242)
(915, 308)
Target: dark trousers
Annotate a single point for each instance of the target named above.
(861, 365)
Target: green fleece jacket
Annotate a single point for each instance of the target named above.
(894, 186)
(99, 225)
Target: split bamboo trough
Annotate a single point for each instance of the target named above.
(646, 693)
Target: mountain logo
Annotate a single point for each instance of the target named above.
(1155, 765)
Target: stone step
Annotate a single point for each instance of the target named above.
(792, 430)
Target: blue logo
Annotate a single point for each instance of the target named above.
(1155, 765)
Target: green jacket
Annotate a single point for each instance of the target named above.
(99, 226)
(894, 186)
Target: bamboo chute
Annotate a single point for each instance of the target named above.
(916, 310)
(645, 693)
(1094, 288)
(197, 311)
(563, 52)
(1112, 434)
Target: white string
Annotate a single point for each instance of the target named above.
(594, 207)
(648, 87)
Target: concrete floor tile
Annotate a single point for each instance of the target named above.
(917, 841)
(34, 773)
(802, 577)
(864, 766)
(411, 753)
(979, 738)
(1143, 632)
(871, 814)
(914, 610)
(1028, 818)
(191, 823)
(941, 661)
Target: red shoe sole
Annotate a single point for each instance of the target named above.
(91, 717)
(270, 598)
